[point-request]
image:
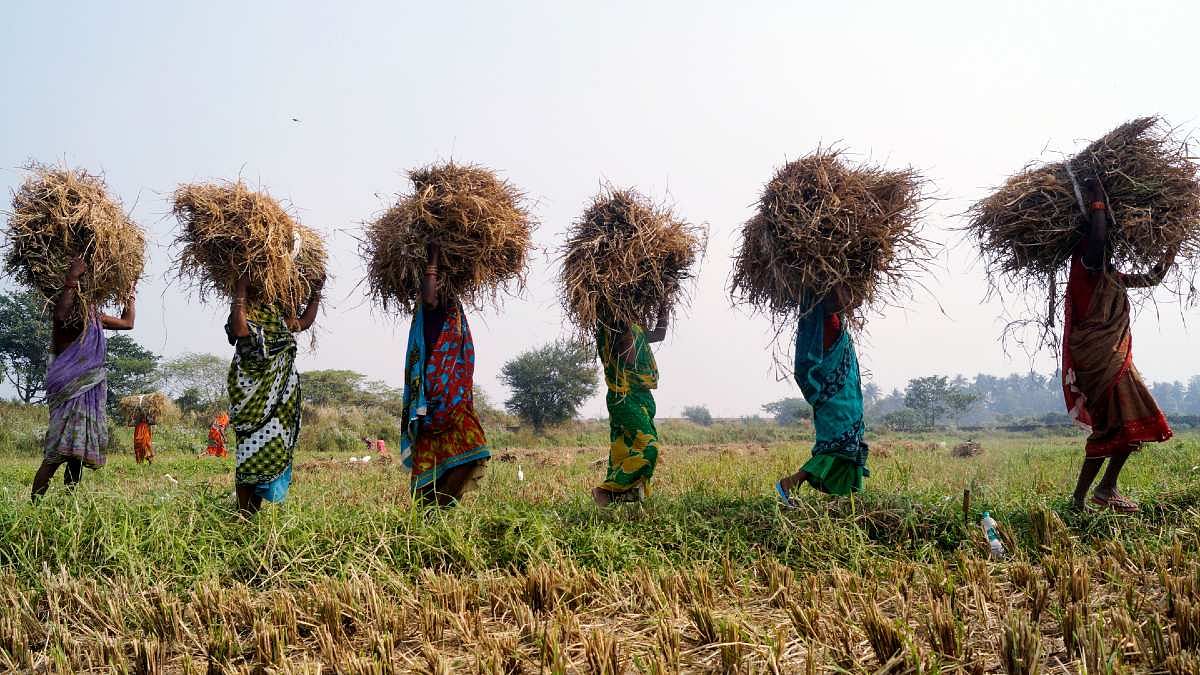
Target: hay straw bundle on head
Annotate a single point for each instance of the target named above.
(822, 223)
(155, 408)
(227, 229)
(625, 258)
(479, 223)
(1029, 227)
(60, 213)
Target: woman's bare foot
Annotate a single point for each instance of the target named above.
(602, 497)
(1114, 501)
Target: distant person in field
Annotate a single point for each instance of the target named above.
(264, 392)
(1103, 389)
(631, 375)
(826, 369)
(441, 440)
(143, 440)
(377, 446)
(77, 385)
(216, 435)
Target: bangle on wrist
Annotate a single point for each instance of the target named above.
(1098, 205)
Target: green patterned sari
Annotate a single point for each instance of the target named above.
(633, 448)
(264, 402)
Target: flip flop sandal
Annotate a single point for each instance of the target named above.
(1118, 503)
(784, 500)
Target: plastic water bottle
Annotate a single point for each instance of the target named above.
(989, 530)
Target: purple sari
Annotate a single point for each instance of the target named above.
(76, 389)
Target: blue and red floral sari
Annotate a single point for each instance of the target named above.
(441, 430)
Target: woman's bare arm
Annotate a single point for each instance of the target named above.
(66, 300)
(1095, 242)
(429, 284)
(310, 310)
(1155, 276)
(123, 322)
(237, 308)
(660, 329)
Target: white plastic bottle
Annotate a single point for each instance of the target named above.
(989, 530)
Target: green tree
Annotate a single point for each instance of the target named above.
(197, 381)
(787, 411)
(934, 396)
(132, 369)
(927, 397)
(24, 343)
(698, 414)
(549, 383)
(333, 387)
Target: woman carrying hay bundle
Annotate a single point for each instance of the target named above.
(631, 376)
(826, 369)
(264, 391)
(623, 267)
(243, 245)
(829, 238)
(442, 441)
(1129, 200)
(1103, 389)
(457, 239)
(76, 385)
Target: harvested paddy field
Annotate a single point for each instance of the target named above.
(137, 572)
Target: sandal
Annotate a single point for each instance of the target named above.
(1117, 502)
(785, 501)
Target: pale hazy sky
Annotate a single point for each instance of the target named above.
(696, 102)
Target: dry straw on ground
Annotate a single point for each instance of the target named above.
(228, 229)
(969, 448)
(1028, 228)
(624, 259)
(60, 213)
(153, 407)
(822, 223)
(479, 223)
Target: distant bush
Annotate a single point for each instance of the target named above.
(698, 414)
(905, 419)
(788, 411)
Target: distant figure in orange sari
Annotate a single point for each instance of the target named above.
(143, 441)
(216, 435)
(1104, 391)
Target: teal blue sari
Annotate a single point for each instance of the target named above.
(830, 382)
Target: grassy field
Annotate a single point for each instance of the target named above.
(138, 572)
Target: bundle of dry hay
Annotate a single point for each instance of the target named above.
(624, 259)
(478, 222)
(966, 449)
(1028, 228)
(228, 229)
(154, 408)
(822, 223)
(61, 213)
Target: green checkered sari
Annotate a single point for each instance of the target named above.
(264, 399)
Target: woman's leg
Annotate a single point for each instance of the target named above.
(1107, 488)
(41, 479)
(248, 502)
(1087, 475)
(789, 483)
(73, 473)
